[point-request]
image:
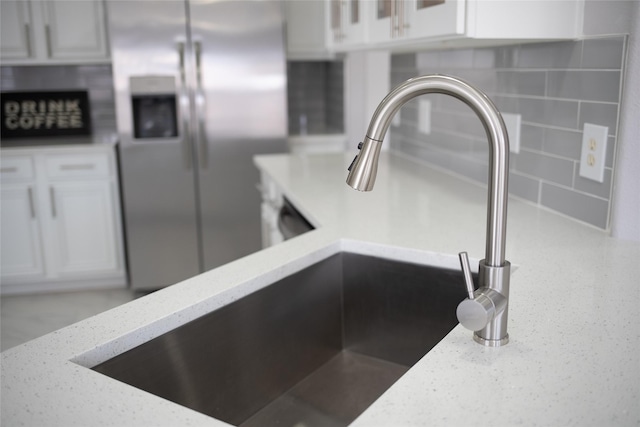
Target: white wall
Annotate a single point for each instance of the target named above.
(366, 83)
(626, 196)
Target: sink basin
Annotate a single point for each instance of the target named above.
(315, 348)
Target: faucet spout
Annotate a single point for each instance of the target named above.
(362, 173)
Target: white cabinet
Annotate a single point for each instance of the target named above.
(307, 30)
(348, 22)
(399, 24)
(61, 223)
(21, 248)
(398, 20)
(15, 29)
(84, 229)
(272, 201)
(46, 31)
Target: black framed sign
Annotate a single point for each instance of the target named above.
(39, 114)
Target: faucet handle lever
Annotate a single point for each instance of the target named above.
(466, 269)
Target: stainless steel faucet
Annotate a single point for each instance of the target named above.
(485, 310)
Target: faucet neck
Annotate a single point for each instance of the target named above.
(496, 134)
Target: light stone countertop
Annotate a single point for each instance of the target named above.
(574, 322)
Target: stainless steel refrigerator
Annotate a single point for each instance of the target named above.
(200, 88)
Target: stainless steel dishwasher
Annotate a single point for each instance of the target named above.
(291, 223)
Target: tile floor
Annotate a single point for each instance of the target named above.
(25, 317)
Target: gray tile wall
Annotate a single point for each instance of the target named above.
(96, 79)
(556, 87)
(315, 97)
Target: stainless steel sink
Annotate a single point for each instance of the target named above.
(314, 349)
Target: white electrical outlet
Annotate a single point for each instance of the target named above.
(594, 149)
(396, 119)
(513, 122)
(424, 116)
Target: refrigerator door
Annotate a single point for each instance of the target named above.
(149, 46)
(240, 111)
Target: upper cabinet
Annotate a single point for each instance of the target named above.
(308, 28)
(315, 28)
(348, 19)
(45, 31)
(450, 23)
(416, 19)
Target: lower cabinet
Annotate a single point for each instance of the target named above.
(20, 234)
(61, 222)
(272, 201)
(84, 227)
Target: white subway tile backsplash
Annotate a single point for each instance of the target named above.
(554, 169)
(559, 55)
(563, 143)
(555, 86)
(593, 187)
(532, 137)
(585, 85)
(524, 187)
(577, 205)
(521, 82)
(603, 53)
(315, 97)
(600, 114)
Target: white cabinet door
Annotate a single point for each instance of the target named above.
(75, 29)
(21, 254)
(15, 29)
(84, 227)
(383, 20)
(348, 22)
(53, 31)
(413, 19)
(306, 30)
(433, 18)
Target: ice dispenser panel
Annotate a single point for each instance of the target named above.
(154, 108)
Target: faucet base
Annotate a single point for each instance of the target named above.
(491, 343)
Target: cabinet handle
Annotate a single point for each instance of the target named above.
(47, 31)
(343, 16)
(401, 18)
(52, 193)
(9, 169)
(392, 17)
(399, 12)
(27, 39)
(405, 22)
(32, 208)
(87, 166)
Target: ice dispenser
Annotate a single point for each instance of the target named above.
(154, 107)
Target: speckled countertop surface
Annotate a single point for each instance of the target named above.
(573, 359)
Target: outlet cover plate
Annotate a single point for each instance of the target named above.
(396, 121)
(513, 123)
(594, 151)
(424, 116)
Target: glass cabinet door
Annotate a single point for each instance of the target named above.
(384, 8)
(354, 11)
(423, 4)
(347, 25)
(336, 20)
(382, 20)
(437, 18)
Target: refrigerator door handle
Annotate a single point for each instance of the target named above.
(183, 100)
(201, 108)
